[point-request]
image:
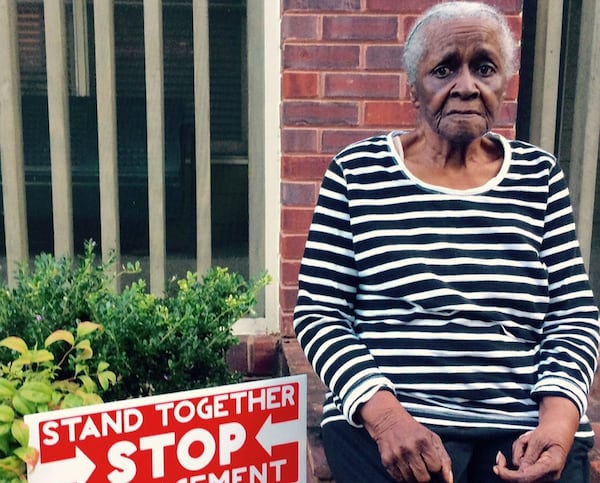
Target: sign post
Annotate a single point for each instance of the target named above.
(251, 432)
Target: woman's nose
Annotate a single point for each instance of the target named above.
(465, 84)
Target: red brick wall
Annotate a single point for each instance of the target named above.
(342, 80)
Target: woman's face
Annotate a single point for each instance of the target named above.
(461, 78)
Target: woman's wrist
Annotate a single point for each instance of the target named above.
(379, 408)
(558, 410)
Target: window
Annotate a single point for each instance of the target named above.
(228, 117)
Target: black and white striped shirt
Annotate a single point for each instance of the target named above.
(469, 305)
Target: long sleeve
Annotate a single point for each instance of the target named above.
(324, 315)
(569, 348)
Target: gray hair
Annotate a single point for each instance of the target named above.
(416, 41)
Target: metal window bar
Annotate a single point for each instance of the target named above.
(153, 46)
(106, 93)
(58, 118)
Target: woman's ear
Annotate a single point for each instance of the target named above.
(413, 96)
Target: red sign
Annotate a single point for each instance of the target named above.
(242, 433)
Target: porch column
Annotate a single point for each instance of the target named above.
(586, 125)
(546, 68)
(11, 143)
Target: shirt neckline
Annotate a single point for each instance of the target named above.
(398, 155)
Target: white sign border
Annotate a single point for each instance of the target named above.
(34, 420)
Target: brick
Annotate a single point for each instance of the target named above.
(262, 355)
(300, 85)
(507, 114)
(321, 5)
(360, 27)
(292, 246)
(512, 88)
(373, 86)
(595, 390)
(296, 220)
(289, 272)
(384, 57)
(595, 472)
(295, 359)
(299, 27)
(395, 114)
(593, 410)
(508, 133)
(404, 6)
(408, 22)
(334, 140)
(516, 25)
(304, 168)
(419, 6)
(299, 194)
(286, 325)
(287, 298)
(594, 453)
(237, 355)
(316, 452)
(299, 140)
(308, 113)
(321, 57)
(254, 355)
(508, 6)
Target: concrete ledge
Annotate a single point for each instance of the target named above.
(294, 362)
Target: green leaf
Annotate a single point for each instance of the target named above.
(57, 335)
(36, 392)
(7, 413)
(29, 455)
(102, 366)
(7, 388)
(20, 431)
(22, 406)
(106, 379)
(88, 383)
(40, 356)
(5, 428)
(71, 401)
(65, 386)
(88, 398)
(86, 328)
(14, 343)
(85, 350)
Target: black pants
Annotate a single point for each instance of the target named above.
(354, 457)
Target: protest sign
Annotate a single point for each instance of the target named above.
(252, 432)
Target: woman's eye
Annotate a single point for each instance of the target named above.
(442, 71)
(486, 69)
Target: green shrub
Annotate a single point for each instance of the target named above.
(54, 294)
(177, 342)
(154, 344)
(30, 383)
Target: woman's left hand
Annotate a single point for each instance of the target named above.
(540, 455)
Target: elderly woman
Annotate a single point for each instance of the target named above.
(442, 296)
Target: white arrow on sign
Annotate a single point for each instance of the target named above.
(77, 469)
(273, 434)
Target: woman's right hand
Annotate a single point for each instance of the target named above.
(409, 451)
